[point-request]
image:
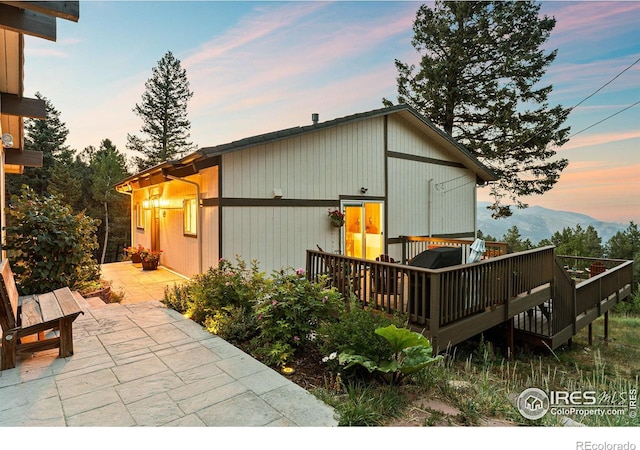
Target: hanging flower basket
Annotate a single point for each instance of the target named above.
(337, 217)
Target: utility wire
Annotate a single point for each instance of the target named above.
(606, 118)
(584, 100)
(606, 84)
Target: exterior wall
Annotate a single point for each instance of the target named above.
(323, 165)
(426, 197)
(277, 237)
(180, 252)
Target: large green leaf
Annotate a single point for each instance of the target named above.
(401, 338)
(417, 358)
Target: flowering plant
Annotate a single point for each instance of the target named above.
(148, 255)
(134, 250)
(336, 216)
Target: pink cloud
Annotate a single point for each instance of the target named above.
(587, 140)
(582, 20)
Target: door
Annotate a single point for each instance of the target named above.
(363, 231)
(155, 225)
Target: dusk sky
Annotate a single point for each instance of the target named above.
(256, 67)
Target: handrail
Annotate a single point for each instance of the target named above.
(457, 300)
(413, 245)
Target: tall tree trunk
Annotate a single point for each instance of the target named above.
(106, 232)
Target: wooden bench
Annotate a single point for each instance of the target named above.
(26, 319)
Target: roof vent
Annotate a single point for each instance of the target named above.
(314, 118)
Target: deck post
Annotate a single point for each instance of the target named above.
(591, 334)
(510, 339)
(606, 326)
(434, 311)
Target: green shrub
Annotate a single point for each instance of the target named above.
(355, 331)
(234, 324)
(48, 245)
(290, 314)
(631, 306)
(412, 352)
(221, 299)
(177, 297)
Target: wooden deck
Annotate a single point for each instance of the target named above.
(529, 293)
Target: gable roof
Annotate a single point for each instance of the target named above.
(208, 156)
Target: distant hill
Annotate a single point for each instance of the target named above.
(537, 223)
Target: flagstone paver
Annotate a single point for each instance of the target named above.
(141, 364)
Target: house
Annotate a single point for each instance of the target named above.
(18, 19)
(390, 170)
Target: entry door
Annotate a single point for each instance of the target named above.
(155, 226)
(363, 231)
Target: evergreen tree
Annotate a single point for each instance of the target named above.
(513, 238)
(48, 136)
(624, 244)
(163, 111)
(107, 167)
(478, 79)
(577, 242)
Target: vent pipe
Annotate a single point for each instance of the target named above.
(314, 118)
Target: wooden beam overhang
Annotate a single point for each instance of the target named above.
(25, 158)
(14, 105)
(27, 22)
(63, 10)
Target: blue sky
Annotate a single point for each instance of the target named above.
(257, 67)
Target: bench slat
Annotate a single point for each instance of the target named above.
(31, 312)
(49, 307)
(9, 297)
(67, 301)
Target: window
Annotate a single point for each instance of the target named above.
(190, 213)
(139, 216)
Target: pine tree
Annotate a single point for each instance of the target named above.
(478, 79)
(163, 111)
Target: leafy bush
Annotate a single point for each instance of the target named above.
(290, 314)
(221, 299)
(48, 245)
(355, 331)
(177, 297)
(631, 306)
(412, 352)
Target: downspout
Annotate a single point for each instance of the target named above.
(198, 213)
(430, 206)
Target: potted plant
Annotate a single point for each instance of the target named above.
(150, 258)
(134, 253)
(337, 217)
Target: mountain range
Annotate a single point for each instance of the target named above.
(537, 223)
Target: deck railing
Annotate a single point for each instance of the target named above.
(455, 303)
(436, 298)
(414, 245)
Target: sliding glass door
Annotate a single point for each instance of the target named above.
(363, 231)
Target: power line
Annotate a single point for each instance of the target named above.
(584, 100)
(606, 118)
(605, 85)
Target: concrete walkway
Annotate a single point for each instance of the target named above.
(142, 364)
